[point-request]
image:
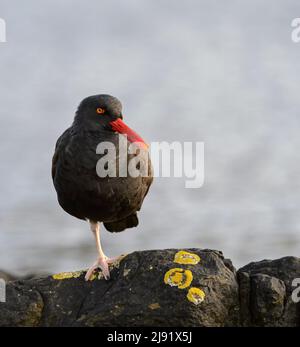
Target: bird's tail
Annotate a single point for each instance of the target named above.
(120, 225)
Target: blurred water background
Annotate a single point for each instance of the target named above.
(223, 72)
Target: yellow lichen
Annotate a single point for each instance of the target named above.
(154, 306)
(94, 275)
(183, 257)
(67, 275)
(178, 277)
(195, 295)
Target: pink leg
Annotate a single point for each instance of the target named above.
(102, 260)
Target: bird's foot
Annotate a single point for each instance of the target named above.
(102, 263)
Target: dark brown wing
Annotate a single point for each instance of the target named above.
(132, 220)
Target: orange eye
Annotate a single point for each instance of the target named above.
(100, 110)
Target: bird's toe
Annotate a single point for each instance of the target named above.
(90, 271)
(101, 263)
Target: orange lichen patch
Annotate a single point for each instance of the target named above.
(195, 295)
(183, 257)
(178, 277)
(67, 275)
(154, 306)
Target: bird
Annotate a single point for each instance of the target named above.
(81, 191)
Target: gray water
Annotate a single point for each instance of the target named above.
(226, 73)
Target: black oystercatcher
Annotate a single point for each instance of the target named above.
(80, 190)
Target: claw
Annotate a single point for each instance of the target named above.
(101, 263)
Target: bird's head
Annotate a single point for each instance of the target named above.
(105, 112)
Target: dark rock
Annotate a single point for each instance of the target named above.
(266, 293)
(140, 294)
(136, 295)
(23, 306)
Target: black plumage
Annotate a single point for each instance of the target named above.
(80, 191)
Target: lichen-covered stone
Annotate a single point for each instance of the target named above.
(144, 290)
